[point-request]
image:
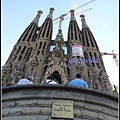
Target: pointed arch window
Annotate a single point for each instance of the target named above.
(18, 49)
(31, 32)
(83, 39)
(91, 40)
(87, 41)
(28, 53)
(26, 32)
(79, 33)
(101, 61)
(75, 31)
(43, 52)
(23, 50)
(40, 45)
(91, 57)
(40, 31)
(86, 57)
(20, 57)
(71, 32)
(94, 41)
(48, 30)
(45, 28)
(97, 63)
(44, 45)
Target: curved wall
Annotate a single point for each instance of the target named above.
(34, 102)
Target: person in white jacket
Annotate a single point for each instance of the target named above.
(49, 80)
(28, 80)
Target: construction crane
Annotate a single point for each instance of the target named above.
(61, 17)
(114, 57)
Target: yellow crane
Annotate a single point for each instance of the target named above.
(61, 17)
(114, 57)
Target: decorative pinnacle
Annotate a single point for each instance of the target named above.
(39, 13)
(82, 17)
(72, 12)
(51, 10)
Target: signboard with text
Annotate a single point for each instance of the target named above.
(77, 50)
(62, 109)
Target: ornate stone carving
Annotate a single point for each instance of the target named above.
(81, 68)
(55, 63)
(32, 64)
(6, 72)
(16, 74)
(93, 77)
(103, 77)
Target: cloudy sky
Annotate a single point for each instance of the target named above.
(102, 20)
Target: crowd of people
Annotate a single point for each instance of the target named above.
(50, 80)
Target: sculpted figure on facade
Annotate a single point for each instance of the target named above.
(22, 64)
(56, 64)
(6, 72)
(96, 82)
(81, 68)
(16, 74)
(93, 77)
(34, 63)
(103, 77)
(64, 70)
(65, 66)
(31, 65)
(58, 46)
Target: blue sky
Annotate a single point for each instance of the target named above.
(102, 20)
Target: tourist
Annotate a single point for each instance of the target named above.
(28, 80)
(78, 82)
(49, 80)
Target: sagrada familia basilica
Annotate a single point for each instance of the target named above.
(31, 55)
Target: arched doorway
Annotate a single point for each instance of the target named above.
(57, 76)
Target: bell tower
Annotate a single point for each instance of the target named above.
(97, 76)
(14, 68)
(35, 65)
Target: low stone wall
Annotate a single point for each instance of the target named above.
(34, 102)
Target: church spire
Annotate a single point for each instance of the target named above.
(84, 24)
(74, 33)
(30, 32)
(59, 41)
(88, 38)
(72, 15)
(27, 37)
(47, 27)
(50, 13)
(74, 40)
(90, 44)
(36, 20)
(59, 36)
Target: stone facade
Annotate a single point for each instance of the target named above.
(34, 102)
(31, 55)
